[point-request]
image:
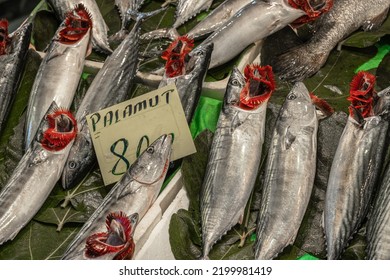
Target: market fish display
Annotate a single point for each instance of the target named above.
(345, 17)
(235, 153)
(99, 27)
(187, 70)
(134, 193)
(289, 174)
(256, 21)
(13, 52)
(356, 165)
(37, 172)
(60, 70)
(110, 86)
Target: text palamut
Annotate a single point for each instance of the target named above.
(112, 117)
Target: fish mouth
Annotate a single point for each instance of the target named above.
(117, 240)
(62, 129)
(312, 8)
(4, 39)
(259, 85)
(176, 56)
(77, 23)
(362, 95)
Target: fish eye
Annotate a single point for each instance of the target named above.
(72, 164)
(235, 82)
(199, 52)
(150, 150)
(291, 96)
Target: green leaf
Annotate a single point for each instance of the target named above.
(60, 216)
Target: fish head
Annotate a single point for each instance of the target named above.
(298, 103)
(176, 56)
(57, 129)
(76, 25)
(198, 59)
(4, 38)
(362, 96)
(312, 8)
(151, 166)
(117, 242)
(382, 105)
(80, 160)
(258, 86)
(233, 89)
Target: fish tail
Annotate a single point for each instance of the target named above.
(299, 63)
(170, 33)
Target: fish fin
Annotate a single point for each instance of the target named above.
(289, 139)
(376, 22)
(299, 63)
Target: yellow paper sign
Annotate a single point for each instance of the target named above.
(121, 132)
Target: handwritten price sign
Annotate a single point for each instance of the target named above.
(121, 132)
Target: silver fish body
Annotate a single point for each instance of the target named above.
(353, 177)
(110, 86)
(252, 23)
(217, 18)
(134, 193)
(289, 174)
(189, 85)
(99, 26)
(29, 186)
(232, 165)
(12, 65)
(57, 80)
(378, 225)
(186, 9)
(345, 17)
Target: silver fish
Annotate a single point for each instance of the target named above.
(189, 84)
(126, 5)
(345, 17)
(134, 193)
(354, 174)
(58, 76)
(289, 174)
(37, 172)
(217, 18)
(110, 86)
(186, 9)
(99, 26)
(234, 157)
(378, 225)
(252, 23)
(12, 64)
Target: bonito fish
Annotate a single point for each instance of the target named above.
(235, 153)
(134, 193)
(110, 86)
(289, 174)
(186, 9)
(344, 18)
(187, 70)
(99, 26)
(378, 226)
(37, 172)
(356, 165)
(13, 51)
(256, 21)
(60, 71)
